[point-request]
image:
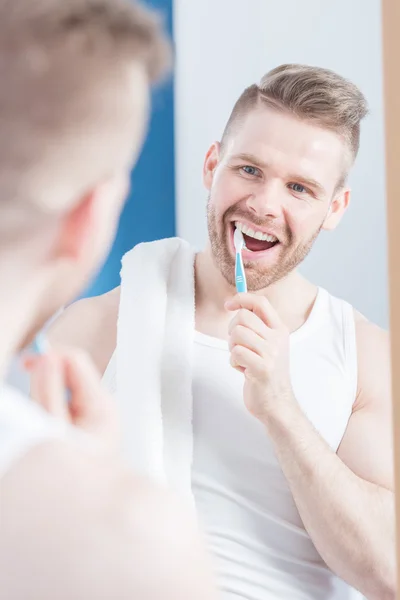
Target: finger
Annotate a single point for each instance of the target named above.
(88, 396)
(47, 386)
(242, 336)
(91, 406)
(259, 305)
(251, 321)
(239, 369)
(245, 360)
(29, 362)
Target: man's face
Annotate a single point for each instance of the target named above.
(276, 179)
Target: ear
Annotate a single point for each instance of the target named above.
(76, 228)
(210, 164)
(337, 209)
(93, 220)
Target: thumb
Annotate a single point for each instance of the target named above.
(47, 386)
(87, 396)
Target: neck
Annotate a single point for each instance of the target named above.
(20, 303)
(292, 297)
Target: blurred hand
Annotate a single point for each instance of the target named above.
(67, 385)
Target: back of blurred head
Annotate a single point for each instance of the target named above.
(74, 100)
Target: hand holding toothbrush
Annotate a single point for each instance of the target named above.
(259, 346)
(87, 406)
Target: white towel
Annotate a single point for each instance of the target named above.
(154, 360)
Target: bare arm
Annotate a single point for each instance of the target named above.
(91, 325)
(367, 446)
(74, 527)
(346, 500)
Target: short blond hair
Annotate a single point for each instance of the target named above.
(65, 99)
(311, 93)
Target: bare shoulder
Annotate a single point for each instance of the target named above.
(367, 445)
(89, 324)
(374, 362)
(93, 513)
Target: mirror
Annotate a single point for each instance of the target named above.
(255, 477)
(391, 49)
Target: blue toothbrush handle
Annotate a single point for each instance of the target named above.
(240, 277)
(40, 346)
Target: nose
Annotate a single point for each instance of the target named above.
(266, 202)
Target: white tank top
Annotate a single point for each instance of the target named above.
(244, 503)
(261, 548)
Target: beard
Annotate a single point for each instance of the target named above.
(258, 278)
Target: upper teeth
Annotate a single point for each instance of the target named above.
(258, 235)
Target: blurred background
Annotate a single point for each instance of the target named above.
(150, 211)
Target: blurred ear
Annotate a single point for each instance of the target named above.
(337, 209)
(76, 228)
(210, 164)
(93, 219)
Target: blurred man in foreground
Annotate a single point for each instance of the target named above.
(74, 101)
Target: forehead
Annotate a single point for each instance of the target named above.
(289, 145)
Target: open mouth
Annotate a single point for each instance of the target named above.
(255, 240)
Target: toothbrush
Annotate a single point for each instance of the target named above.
(240, 276)
(40, 346)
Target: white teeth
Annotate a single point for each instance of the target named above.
(258, 235)
(247, 230)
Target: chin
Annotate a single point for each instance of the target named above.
(28, 339)
(262, 282)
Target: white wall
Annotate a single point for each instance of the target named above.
(224, 45)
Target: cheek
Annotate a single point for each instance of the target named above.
(227, 191)
(305, 220)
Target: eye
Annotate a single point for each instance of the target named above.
(298, 188)
(253, 171)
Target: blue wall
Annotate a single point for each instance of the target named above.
(150, 210)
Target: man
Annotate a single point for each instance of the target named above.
(292, 452)
(74, 99)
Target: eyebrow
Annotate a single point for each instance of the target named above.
(251, 158)
(307, 181)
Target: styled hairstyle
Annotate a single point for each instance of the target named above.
(311, 94)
